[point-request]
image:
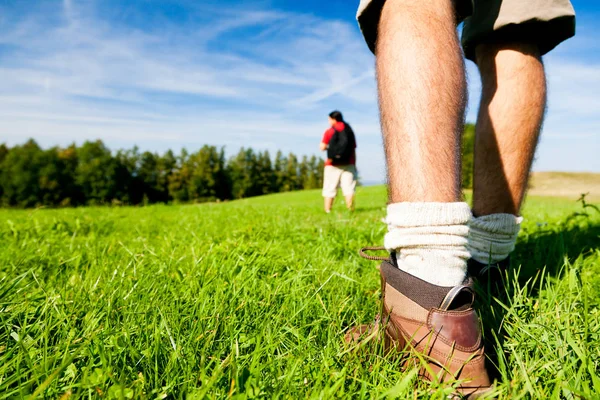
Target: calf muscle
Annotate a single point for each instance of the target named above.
(508, 125)
(422, 98)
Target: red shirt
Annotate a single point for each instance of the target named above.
(339, 126)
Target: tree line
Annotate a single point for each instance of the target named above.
(91, 174)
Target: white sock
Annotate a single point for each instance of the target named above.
(492, 237)
(430, 240)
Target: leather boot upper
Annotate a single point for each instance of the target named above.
(449, 338)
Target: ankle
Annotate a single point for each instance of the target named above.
(493, 237)
(430, 240)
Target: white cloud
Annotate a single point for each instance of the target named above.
(570, 139)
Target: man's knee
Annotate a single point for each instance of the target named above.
(487, 54)
(377, 18)
(503, 62)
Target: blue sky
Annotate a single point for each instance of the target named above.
(172, 74)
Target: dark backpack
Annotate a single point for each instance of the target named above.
(341, 146)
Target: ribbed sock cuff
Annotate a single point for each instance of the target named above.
(407, 214)
(430, 240)
(492, 237)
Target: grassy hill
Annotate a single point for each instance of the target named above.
(566, 184)
(251, 298)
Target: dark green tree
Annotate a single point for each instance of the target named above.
(20, 175)
(56, 178)
(311, 180)
(207, 171)
(319, 172)
(72, 194)
(240, 173)
(148, 175)
(223, 180)
(265, 179)
(303, 173)
(252, 174)
(3, 153)
(280, 172)
(96, 172)
(165, 165)
(129, 187)
(292, 178)
(180, 178)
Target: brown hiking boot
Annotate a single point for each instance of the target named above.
(436, 323)
(490, 277)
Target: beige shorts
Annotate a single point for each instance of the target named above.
(545, 22)
(342, 175)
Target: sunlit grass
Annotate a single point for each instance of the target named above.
(251, 299)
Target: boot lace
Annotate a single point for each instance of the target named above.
(363, 254)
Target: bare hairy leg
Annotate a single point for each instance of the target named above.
(422, 97)
(510, 117)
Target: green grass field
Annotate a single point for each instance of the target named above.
(251, 299)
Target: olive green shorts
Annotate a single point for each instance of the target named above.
(545, 22)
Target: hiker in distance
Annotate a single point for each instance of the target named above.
(340, 166)
(438, 246)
